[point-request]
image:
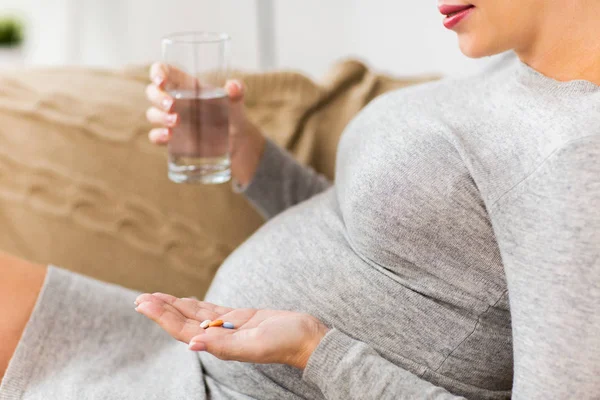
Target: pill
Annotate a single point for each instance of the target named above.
(218, 322)
(228, 325)
(205, 324)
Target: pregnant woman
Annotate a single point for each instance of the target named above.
(457, 254)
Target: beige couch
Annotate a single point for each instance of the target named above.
(81, 187)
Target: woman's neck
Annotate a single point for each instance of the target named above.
(566, 47)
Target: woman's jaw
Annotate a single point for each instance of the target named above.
(483, 27)
(558, 38)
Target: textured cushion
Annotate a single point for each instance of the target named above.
(81, 187)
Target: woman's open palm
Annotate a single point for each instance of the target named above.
(259, 336)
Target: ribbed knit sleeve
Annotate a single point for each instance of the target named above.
(347, 369)
(281, 182)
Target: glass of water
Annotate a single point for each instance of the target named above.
(199, 67)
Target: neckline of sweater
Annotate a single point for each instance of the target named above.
(532, 78)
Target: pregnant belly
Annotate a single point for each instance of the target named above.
(302, 261)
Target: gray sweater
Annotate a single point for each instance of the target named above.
(458, 207)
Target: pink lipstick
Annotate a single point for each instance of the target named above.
(455, 13)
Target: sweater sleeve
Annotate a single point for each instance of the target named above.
(548, 231)
(347, 369)
(281, 182)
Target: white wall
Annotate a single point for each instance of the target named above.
(311, 34)
(236, 17)
(404, 37)
(109, 33)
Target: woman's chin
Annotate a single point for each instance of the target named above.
(472, 47)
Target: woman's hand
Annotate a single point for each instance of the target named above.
(259, 336)
(246, 143)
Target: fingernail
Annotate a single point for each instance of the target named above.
(137, 299)
(239, 87)
(197, 346)
(160, 135)
(135, 302)
(172, 119)
(157, 80)
(164, 134)
(167, 104)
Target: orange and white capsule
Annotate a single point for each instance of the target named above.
(218, 322)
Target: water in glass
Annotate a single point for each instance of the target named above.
(199, 147)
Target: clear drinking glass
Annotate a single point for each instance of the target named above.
(199, 67)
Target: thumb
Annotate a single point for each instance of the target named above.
(225, 347)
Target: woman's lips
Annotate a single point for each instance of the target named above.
(455, 13)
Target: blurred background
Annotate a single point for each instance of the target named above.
(402, 37)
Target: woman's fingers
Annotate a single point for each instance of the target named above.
(160, 136)
(171, 320)
(158, 74)
(159, 98)
(201, 304)
(142, 298)
(192, 308)
(160, 114)
(223, 344)
(168, 77)
(238, 345)
(162, 118)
